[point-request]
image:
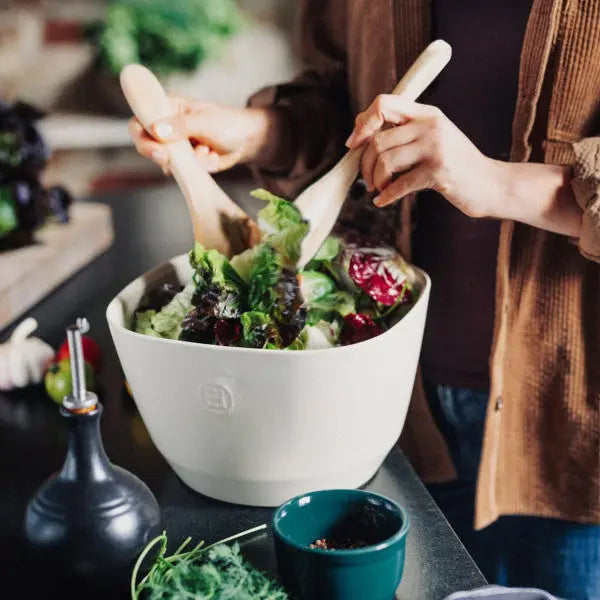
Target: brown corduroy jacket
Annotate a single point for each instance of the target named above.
(541, 451)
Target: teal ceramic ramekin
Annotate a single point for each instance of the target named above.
(369, 573)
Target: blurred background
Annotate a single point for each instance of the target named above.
(64, 56)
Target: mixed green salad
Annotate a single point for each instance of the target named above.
(351, 291)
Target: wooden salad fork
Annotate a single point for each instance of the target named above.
(218, 222)
(321, 202)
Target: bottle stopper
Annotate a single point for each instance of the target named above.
(81, 399)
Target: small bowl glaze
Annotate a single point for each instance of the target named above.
(373, 572)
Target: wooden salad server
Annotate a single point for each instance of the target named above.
(218, 222)
(321, 202)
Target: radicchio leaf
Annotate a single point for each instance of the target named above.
(379, 276)
(358, 328)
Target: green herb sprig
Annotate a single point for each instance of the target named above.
(203, 573)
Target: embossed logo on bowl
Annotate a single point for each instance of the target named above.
(217, 398)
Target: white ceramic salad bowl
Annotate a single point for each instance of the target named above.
(257, 427)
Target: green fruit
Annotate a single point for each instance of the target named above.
(59, 383)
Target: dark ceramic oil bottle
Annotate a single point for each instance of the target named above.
(88, 523)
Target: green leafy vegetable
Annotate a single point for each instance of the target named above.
(143, 322)
(166, 322)
(213, 267)
(336, 304)
(319, 336)
(8, 212)
(165, 35)
(217, 572)
(258, 330)
(220, 291)
(242, 263)
(315, 285)
(282, 225)
(274, 289)
(329, 250)
(263, 277)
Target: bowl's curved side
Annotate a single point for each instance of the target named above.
(258, 427)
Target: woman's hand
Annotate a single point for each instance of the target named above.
(422, 149)
(222, 136)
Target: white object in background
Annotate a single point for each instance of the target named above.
(75, 132)
(258, 427)
(496, 592)
(23, 358)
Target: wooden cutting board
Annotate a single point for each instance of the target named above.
(28, 274)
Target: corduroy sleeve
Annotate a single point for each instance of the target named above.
(316, 101)
(586, 187)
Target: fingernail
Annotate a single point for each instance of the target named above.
(163, 129)
(350, 139)
(377, 201)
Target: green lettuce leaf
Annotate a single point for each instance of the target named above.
(258, 330)
(242, 263)
(282, 225)
(212, 267)
(143, 323)
(220, 291)
(264, 274)
(328, 308)
(166, 322)
(274, 288)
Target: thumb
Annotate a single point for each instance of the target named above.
(200, 126)
(170, 130)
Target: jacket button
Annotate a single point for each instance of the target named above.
(499, 403)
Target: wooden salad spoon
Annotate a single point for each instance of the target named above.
(217, 221)
(321, 202)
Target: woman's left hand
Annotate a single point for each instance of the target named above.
(422, 150)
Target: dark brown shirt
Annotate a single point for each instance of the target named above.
(478, 92)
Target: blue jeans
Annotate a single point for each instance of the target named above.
(558, 556)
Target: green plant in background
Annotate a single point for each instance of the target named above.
(164, 35)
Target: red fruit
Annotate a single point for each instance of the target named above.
(358, 328)
(91, 352)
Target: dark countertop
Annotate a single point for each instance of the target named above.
(151, 226)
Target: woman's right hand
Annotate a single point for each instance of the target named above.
(222, 136)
